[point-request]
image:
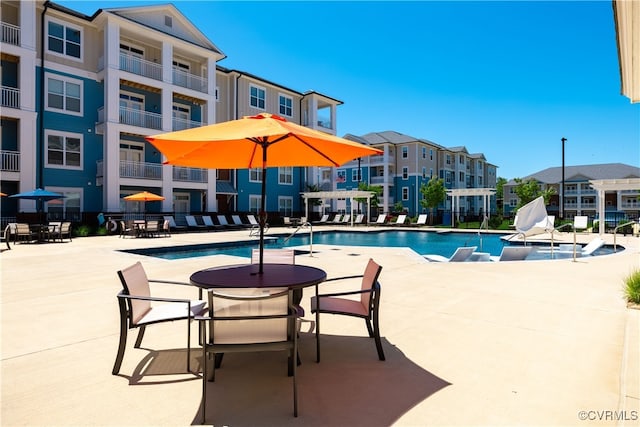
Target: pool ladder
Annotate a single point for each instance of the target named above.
(300, 227)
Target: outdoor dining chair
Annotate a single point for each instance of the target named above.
(137, 311)
(366, 307)
(248, 320)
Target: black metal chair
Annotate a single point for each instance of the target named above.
(367, 307)
(137, 311)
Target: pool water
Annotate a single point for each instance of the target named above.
(422, 242)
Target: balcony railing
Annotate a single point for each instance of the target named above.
(142, 170)
(144, 119)
(325, 123)
(10, 161)
(188, 80)
(184, 174)
(10, 34)
(181, 124)
(139, 66)
(10, 97)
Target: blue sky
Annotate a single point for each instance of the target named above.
(507, 79)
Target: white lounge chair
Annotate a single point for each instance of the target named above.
(382, 218)
(592, 246)
(323, 220)
(359, 219)
(460, 255)
(346, 219)
(337, 219)
(513, 253)
(422, 219)
(193, 224)
(402, 218)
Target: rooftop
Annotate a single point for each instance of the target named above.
(508, 343)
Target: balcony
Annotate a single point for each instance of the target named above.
(9, 161)
(190, 81)
(184, 174)
(10, 34)
(10, 97)
(144, 119)
(182, 124)
(140, 170)
(139, 66)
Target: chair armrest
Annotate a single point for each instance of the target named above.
(343, 278)
(170, 282)
(339, 294)
(158, 299)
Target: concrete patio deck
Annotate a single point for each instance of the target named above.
(511, 343)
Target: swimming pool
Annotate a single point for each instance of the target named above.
(422, 242)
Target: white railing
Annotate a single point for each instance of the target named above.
(131, 169)
(181, 124)
(144, 119)
(140, 66)
(10, 34)
(10, 161)
(188, 80)
(10, 97)
(185, 174)
(100, 115)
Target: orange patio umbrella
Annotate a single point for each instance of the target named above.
(260, 141)
(143, 196)
(2, 194)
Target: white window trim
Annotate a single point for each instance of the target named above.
(286, 97)
(251, 85)
(405, 172)
(134, 46)
(257, 170)
(405, 193)
(49, 132)
(65, 80)
(405, 152)
(254, 203)
(288, 210)
(64, 190)
(64, 24)
(281, 172)
(130, 94)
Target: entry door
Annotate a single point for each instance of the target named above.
(181, 203)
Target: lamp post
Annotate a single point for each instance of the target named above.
(563, 139)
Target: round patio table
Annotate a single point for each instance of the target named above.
(246, 276)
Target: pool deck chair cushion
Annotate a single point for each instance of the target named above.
(422, 219)
(513, 253)
(460, 255)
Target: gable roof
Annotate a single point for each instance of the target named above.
(553, 175)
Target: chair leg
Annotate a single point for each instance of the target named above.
(317, 332)
(376, 328)
(121, 346)
(140, 336)
(369, 328)
(189, 345)
(204, 377)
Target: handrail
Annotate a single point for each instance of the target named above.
(615, 230)
(558, 229)
(305, 224)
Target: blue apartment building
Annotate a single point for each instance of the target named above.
(80, 94)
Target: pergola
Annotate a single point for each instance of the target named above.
(603, 185)
(456, 193)
(339, 194)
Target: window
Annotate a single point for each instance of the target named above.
(405, 172)
(405, 193)
(285, 206)
(448, 159)
(431, 173)
(257, 97)
(405, 152)
(64, 150)
(67, 208)
(64, 39)
(285, 105)
(255, 175)
(424, 172)
(424, 152)
(64, 95)
(217, 94)
(461, 178)
(356, 175)
(430, 154)
(461, 159)
(341, 176)
(254, 204)
(285, 175)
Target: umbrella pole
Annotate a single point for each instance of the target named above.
(263, 213)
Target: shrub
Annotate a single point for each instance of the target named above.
(632, 287)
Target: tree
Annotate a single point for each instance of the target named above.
(376, 189)
(500, 187)
(529, 190)
(433, 193)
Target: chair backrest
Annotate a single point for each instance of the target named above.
(172, 221)
(152, 225)
(65, 227)
(250, 315)
(191, 220)
(274, 256)
(370, 281)
(580, 222)
(422, 219)
(381, 218)
(206, 220)
(236, 220)
(135, 282)
(359, 218)
(337, 218)
(166, 225)
(222, 220)
(401, 219)
(462, 253)
(286, 220)
(515, 253)
(22, 228)
(252, 220)
(346, 218)
(324, 218)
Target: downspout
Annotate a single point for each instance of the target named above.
(40, 146)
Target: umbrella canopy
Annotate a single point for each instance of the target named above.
(260, 141)
(143, 196)
(38, 194)
(2, 194)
